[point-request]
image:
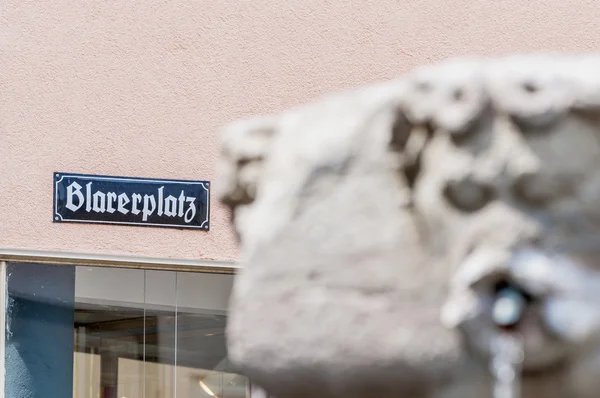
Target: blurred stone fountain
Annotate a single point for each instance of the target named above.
(392, 235)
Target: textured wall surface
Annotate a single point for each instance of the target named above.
(140, 88)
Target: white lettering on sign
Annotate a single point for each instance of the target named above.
(111, 197)
(123, 201)
(149, 206)
(100, 202)
(74, 190)
(170, 206)
(137, 198)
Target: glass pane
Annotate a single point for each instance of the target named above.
(203, 370)
(160, 334)
(86, 375)
(109, 326)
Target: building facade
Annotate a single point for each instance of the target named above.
(103, 307)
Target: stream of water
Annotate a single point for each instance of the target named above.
(505, 365)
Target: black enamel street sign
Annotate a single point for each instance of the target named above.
(131, 201)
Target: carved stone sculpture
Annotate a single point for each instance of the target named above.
(380, 227)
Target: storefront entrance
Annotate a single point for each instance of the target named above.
(134, 333)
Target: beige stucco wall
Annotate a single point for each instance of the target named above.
(139, 88)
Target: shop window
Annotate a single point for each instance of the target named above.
(135, 333)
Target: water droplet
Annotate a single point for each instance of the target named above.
(508, 307)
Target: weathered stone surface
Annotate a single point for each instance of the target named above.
(377, 225)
